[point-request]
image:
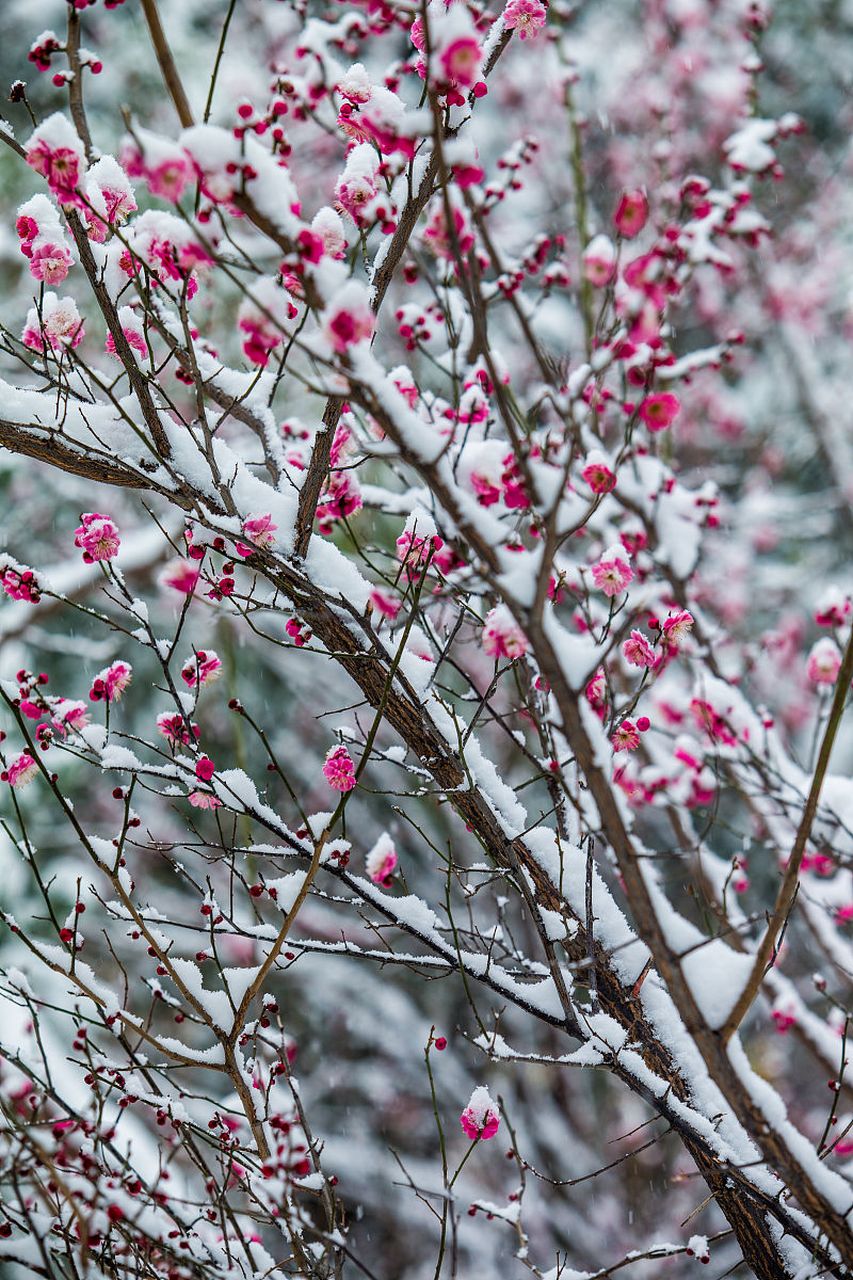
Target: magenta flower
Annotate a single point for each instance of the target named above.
(204, 768)
(625, 737)
(480, 1119)
(525, 17)
(381, 860)
(502, 636)
(259, 530)
(676, 627)
(203, 667)
(97, 537)
(612, 573)
(637, 650)
(597, 474)
(348, 318)
(59, 326)
(181, 576)
(109, 684)
(50, 263)
(660, 410)
(21, 771)
(20, 584)
(339, 769)
(462, 61)
(824, 662)
(204, 800)
(631, 214)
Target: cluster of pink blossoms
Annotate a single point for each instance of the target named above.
(97, 537)
(339, 769)
(43, 241)
(20, 584)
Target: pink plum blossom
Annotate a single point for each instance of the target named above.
(203, 667)
(502, 636)
(348, 319)
(612, 573)
(660, 410)
(56, 324)
(381, 861)
(525, 17)
(50, 263)
(109, 684)
(97, 537)
(481, 1117)
(638, 651)
(339, 769)
(20, 771)
(631, 214)
(625, 737)
(824, 662)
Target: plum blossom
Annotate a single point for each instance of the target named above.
(631, 214)
(502, 636)
(264, 319)
(69, 716)
(163, 164)
(445, 242)
(109, 684)
(381, 861)
(327, 224)
(339, 769)
(258, 530)
(597, 473)
(415, 552)
(176, 729)
(204, 800)
(612, 573)
(481, 1117)
(341, 499)
(134, 332)
(56, 152)
(599, 261)
(20, 583)
(97, 537)
(676, 627)
(203, 667)
(833, 609)
(660, 410)
(181, 576)
(110, 197)
(348, 318)
(638, 651)
(20, 771)
(50, 263)
(204, 768)
(626, 736)
(59, 326)
(525, 17)
(824, 662)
